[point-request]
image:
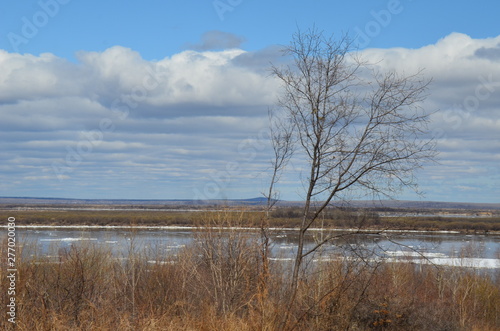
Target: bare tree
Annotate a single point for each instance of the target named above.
(282, 144)
(281, 132)
(360, 129)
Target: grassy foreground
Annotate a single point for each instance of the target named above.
(223, 281)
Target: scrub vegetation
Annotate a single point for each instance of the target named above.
(225, 280)
(339, 218)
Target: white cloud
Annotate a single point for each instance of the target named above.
(188, 116)
(162, 120)
(465, 96)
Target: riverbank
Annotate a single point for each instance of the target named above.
(281, 218)
(135, 274)
(221, 282)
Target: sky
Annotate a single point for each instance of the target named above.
(169, 99)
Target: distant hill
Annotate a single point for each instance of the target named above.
(403, 204)
(259, 201)
(129, 202)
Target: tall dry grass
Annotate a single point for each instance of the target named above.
(221, 282)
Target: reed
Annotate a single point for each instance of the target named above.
(221, 282)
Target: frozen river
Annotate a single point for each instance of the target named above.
(480, 251)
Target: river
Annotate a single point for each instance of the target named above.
(471, 250)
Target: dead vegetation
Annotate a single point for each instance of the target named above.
(224, 281)
(340, 218)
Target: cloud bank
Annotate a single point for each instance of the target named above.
(465, 95)
(193, 125)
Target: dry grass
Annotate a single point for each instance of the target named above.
(281, 217)
(221, 282)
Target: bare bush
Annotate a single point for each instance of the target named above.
(225, 262)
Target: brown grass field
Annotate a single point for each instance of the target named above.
(223, 281)
(281, 217)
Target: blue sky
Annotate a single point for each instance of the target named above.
(198, 128)
(157, 28)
